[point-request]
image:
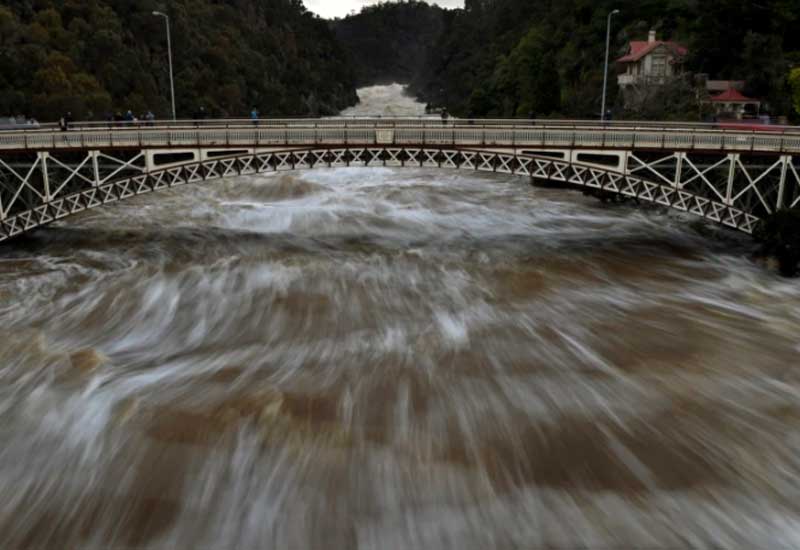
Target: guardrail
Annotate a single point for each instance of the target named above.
(413, 122)
(328, 132)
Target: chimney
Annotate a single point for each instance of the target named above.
(651, 37)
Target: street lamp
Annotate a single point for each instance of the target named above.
(605, 72)
(169, 54)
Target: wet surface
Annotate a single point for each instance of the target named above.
(379, 358)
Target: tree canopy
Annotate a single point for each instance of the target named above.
(509, 58)
(390, 41)
(513, 57)
(794, 82)
(92, 57)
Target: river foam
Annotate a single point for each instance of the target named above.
(393, 358)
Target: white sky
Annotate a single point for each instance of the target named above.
(340, 8)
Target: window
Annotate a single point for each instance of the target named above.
(659, 66)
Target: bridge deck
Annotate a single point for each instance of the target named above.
(408, 132)
(730, 176)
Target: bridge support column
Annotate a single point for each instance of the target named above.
(149, 160)
(95, 167)
(45, 176)
(786, 160)
(679, 170)
(732, 159)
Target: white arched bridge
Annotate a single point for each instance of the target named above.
(734, 176)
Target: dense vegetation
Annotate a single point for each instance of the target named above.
(390, 42)
(794, 82)
(517, 57)
(93, 57)
(492, 58)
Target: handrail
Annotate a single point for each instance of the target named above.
(425, 131)
(768, 130)
(343, 121)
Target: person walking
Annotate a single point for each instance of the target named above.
(65, 121)
(445, 116)
(254, 116)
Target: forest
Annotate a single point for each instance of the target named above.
(545, 57)
(94, 58)
(390, 42)
(503, 58)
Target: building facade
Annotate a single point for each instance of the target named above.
(733, 104)
(650, 63)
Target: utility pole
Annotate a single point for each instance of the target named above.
(169, 54)
(605, 71)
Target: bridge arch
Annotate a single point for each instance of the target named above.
(510, 161)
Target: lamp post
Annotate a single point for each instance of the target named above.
(169, 54)
(605, 71)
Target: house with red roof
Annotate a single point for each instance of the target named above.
(734, 104)
(651, 63)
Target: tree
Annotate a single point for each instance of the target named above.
(678, 99)
(764, 67)
(9, 28)
(794, 82)
(534, 69)
(52, 60)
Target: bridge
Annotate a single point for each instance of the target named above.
(730, 176)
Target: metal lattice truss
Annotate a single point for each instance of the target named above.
(757, 185)
(730, 189)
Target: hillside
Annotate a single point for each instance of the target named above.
(500, 58)
(545, 57)
(390, 42)
(93, 57)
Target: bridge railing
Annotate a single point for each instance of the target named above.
(251, 136)
(413, 122)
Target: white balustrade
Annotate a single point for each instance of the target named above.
(412, 131)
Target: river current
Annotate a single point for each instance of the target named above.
(394, 359)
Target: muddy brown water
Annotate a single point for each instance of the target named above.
(394, 359)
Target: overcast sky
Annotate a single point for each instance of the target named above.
(340, 8)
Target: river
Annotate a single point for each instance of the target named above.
(394, 359)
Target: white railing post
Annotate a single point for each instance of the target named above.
(679, 170)
(45, 176)
(732, 159)
(95, 168)
(786, 160)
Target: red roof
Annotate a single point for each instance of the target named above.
(732, 95)
(640, 48)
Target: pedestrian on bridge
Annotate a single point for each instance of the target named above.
(254, 116)
(445, 116)
(65, 121)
